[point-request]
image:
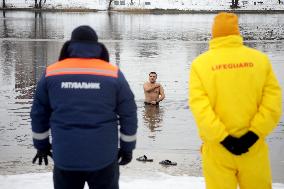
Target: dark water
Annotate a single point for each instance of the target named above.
(138, 44)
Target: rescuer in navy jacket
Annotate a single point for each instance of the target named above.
(84, 102)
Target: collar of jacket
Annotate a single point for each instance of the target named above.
(78, 49)
(226, 42)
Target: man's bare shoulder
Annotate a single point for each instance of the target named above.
(146, 84)
(158, 85)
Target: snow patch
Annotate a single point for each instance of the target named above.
(157, 180)
(189, 5)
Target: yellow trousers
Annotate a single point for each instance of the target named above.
(223, 170)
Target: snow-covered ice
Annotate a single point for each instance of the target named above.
(196, 5)
(158, 180)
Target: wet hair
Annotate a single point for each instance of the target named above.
(153, 73)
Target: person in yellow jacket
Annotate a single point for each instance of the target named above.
(235, 99)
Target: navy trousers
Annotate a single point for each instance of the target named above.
(106, 178)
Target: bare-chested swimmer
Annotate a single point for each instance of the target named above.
(154, 92)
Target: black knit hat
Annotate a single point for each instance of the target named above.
(84, 33)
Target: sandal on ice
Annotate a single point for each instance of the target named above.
(167, 162)
(144, 158)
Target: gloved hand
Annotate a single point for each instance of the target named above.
(248, 139)
(234, 145)
(124, 157)
(42, 154)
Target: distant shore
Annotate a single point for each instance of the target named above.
(147, 11)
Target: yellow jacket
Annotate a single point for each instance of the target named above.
(232, 89)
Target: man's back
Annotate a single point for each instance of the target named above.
(77, 87)
(234, 77)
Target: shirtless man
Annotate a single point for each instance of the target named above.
(154, 92)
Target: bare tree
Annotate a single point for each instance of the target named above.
(109, 4)
(279, 1)
(235, 4)
(38, 3)
(4, 4)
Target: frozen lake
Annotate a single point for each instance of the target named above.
(138, 44)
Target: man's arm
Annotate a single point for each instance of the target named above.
(127, 112)
(210, 127)
(148, 88)
(162, 94)
(269, 110)
(40, 114)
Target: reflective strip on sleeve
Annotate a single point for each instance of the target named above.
(128, 138)
(41, 136)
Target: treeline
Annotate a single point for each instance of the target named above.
(38, 4)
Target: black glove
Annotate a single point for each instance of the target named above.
(124, 157)
(248, 139)
(234, 145)
(42, 154)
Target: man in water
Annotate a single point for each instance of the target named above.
(154, 92)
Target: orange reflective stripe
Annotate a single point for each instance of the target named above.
(91, 71)
(82, 66)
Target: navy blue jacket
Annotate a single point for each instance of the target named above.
(84, 102)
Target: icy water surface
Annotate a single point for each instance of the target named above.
(138, 44)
